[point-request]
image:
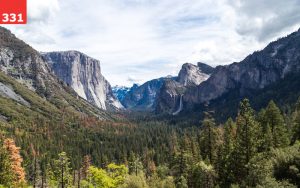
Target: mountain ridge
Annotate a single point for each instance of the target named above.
(257, 70)
(25, 65)
(146, 97)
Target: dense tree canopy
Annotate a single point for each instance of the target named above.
(256, 149)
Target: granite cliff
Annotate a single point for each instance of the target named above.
(83, 74)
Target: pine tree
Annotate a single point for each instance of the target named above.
(246, 140)
(226, 167)
(7, 176)
(229, 136)
(274, 119)
(61, 174)
(135, 164)
(264, 134)
(15, 160)
(208, 138)
(181, 166)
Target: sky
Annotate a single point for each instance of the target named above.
(139, 40)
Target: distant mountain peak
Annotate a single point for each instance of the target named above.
(120, 91)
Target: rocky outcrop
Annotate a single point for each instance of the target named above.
(170, 98)
(20, 62)
(255, 72)
(83, 74)
(165, 94)
(205, 68)
(8, 92)
(191, 75)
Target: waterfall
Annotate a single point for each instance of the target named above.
(180, 107)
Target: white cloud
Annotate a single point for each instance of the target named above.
(266, 19)
(137, 40)
(41, 11)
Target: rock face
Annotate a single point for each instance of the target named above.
(83, 74)
(255, 72)
(205, 68)
(165, 94)
(8, 92)
(256, 75)
(170, 98)
(20, 62)
(143, 98)
(191, 75)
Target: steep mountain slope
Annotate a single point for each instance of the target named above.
(83, 74)
(170, 97)
(20, 103)
(257, 74)
(22, 63)
(164, 94)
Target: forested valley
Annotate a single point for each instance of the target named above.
(255, 149)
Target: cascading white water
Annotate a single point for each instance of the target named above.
(180, 107)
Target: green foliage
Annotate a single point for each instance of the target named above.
(240, 153)
(274, 123)
(226, 160)
(162, 171)
(135, 164)
(60, 173)
(229, 137)
(157, 182)
(181, 182)
(203, 175)
(246, 140)
(253, 151)
(6, 174)
(117, 173)
(279, 168)
(114, 176)
(181, 166)
(286, 164)
(208, 139)
(135, 181)
(265, 139)
(99, 178)
(296, 126)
